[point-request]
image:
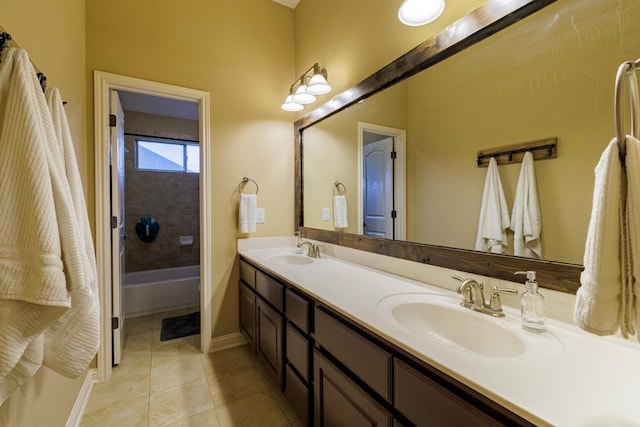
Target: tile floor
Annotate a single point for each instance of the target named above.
(170, 383)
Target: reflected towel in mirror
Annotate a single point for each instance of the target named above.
(340, 211)
(526, 222)
(494, 214)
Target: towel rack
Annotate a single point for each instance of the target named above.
(541, 150)
(627, 69)
(244, 182)
(5, 41)
(336, 186)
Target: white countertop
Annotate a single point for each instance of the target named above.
(568, 378)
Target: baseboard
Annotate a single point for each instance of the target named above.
(77, 412)
(227, 341)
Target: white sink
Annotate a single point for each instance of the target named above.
(441, 319)
(291, 259)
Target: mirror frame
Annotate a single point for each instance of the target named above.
(470, 29)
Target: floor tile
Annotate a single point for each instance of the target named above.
(173, 350)
(177, 372)
(178, 403)
(131, 413)
(204, 419)
(232, 383)
(118, 389)
(258, 409)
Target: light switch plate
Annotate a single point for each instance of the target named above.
(325, 214)
(260, 215)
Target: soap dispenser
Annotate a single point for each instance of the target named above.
(532, 305)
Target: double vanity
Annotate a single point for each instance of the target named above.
(352, 345)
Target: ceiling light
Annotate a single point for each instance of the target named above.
(420, 12)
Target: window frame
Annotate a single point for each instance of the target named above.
(169, 141)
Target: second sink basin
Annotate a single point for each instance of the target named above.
(292, 259)
(440, 318)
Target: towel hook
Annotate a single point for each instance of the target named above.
(336, 186)
(244, 182)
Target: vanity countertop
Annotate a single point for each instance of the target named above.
(572, 379)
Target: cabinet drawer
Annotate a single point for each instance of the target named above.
(297, 309)
(247, 273)
(298, 352)
(270, 289)
(424, 402)
(297, 394)
(365, 359)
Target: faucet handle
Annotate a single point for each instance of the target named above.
(495, 303)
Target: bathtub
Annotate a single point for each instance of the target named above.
(157, 291)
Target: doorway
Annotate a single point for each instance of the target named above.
(381, 181)
(104, 84)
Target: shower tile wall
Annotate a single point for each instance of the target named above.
(171, 198)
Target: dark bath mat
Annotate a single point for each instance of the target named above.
(180, 326)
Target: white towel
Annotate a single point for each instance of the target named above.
(340, 211)
(33, 291)
(599, 298)
(630, 322)
(494, 214)
(73, 340)
(526, 222)
(247, 213)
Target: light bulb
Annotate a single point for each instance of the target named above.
(420, 12)
(290, 105)
(302, 97)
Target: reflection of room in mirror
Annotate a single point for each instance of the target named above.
(492, 94)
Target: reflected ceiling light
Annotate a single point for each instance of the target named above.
(420, 12)
(304, 90)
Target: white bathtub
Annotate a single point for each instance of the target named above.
(157, 291)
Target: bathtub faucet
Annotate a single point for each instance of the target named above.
(313, 250)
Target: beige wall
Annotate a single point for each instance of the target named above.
(54, 35)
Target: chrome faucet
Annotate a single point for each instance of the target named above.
(473, 297)
(313, 250)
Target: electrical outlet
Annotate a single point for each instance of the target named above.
(260, 215)
(325, 214)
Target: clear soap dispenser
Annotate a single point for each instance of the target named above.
(532, 305)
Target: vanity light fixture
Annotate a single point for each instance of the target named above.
(420, 12)
(304, 90)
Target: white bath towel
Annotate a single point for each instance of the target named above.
(73, 340)
(630, 321)
(526, 222)
(33, 292)
(599, 298)
(340, 219)
(494, 214)
(247, 213)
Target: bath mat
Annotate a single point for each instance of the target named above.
(180, 326)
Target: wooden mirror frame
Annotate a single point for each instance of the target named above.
(479, 24)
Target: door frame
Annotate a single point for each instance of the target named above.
(399, 139)
(103, 83)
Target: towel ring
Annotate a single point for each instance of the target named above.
(244, 182)
(336, 186)
(627, 69)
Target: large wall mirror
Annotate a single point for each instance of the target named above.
(512, 71)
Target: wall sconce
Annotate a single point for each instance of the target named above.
(420, 12)
(304, 90)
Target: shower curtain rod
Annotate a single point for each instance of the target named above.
(7, 41)
(161, 137)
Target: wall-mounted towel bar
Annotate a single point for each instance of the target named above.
(541, 150)
(339, 189)
(627, 72)
(244, 182)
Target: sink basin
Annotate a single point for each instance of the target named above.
(441, 319)
(291, 259)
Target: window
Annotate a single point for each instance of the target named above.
(166, 156)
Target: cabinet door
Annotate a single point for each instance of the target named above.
(248, 314)
(339, 402)
(424, 402)
(269, 343)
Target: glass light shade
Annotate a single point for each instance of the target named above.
(290, 105)
(420, 12)
(318, 85)
(302, 97)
